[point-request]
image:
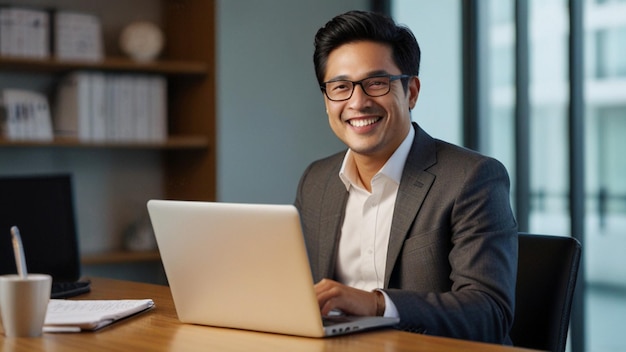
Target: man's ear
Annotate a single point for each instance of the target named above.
(414, 91)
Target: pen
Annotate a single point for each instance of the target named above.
(18, 250)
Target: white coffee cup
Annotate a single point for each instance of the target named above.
(23, 304)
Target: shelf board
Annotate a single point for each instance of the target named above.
(119, 257)
(52, 65)
(173, 142)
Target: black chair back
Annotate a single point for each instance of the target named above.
(546, 279)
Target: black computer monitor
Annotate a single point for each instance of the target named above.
(42, 208)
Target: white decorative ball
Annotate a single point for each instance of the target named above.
(142, 41)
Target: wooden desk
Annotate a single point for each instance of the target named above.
(160, 330)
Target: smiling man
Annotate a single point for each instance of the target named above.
(402, 224)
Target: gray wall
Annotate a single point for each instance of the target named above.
(271, 116)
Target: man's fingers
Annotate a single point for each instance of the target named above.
(326, 291)
(333, 295)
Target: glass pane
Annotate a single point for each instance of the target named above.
(549, 99)
(605, 126)
(500, 120)
(437, 28)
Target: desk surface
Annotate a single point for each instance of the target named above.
(160, 330)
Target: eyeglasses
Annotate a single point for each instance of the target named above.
(376, 86)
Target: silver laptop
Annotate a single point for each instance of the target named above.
(243, 266)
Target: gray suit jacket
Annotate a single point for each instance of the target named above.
(452, 256)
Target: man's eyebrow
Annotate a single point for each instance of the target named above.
(339, 78)
(377, 73)
(369, 74)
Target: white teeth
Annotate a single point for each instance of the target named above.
(362, 122)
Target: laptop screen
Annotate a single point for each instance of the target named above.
(42, 208)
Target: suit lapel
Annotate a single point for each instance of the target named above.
(412, 191)
(335, 198)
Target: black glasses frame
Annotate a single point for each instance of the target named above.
(360, 83)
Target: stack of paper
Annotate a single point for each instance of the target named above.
(78, 36)
(24, 115)
(24, 32)
(95, 106)
(80, 315)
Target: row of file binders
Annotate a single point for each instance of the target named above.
(95, 106)
(26, 32)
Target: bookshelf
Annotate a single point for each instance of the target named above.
(187, 156)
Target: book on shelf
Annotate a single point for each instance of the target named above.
(77, 36)
(24, 115)
(98, 106)
(94, 106)
(72, 116)
(89, 315)
(157, 106)
(24, 32)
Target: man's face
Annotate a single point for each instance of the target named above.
(372, 127)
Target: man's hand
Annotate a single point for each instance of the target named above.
(334, 295)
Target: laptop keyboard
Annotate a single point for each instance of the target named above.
(338, 319)
(69, 289)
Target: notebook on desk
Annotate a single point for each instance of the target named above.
(41, 206)
(242, 266)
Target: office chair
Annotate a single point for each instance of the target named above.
(546, 279)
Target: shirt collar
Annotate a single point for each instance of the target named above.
(392, 169)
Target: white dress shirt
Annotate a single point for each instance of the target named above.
(367, 222)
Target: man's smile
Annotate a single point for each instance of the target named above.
(362, 122)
